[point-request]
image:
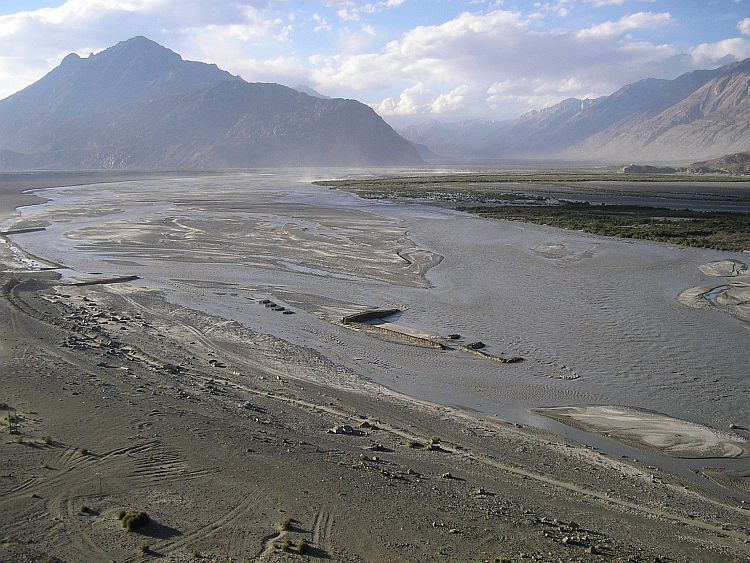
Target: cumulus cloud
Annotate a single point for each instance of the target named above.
(450, 101)
(615, 29)
(479, 50)
(744, 26)
(721, 52)
(413, 100)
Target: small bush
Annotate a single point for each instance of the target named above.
(133, 521)
(46, 440)
(144, 548)
(301, 547)
(84, 510)
(83, 451)
(285, 546)
(120, 514)
(286, 523)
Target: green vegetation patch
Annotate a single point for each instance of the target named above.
(721, 231)
(511, 196)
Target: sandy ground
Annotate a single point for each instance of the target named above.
(122, 401)
(651, 430)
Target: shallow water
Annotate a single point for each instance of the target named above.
(605, 310)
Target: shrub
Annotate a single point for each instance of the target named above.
(286, 523)
(134, 520)
(301, 547)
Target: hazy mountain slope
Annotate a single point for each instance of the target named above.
(133, 70)
(711, 121)
(738, 163)
(699, 114)
(140, 105)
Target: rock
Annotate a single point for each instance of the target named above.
(173, 369)
(476, 345)
(346, 430)
(447, 476)
(454, 336)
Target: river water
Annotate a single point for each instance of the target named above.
(602, 309)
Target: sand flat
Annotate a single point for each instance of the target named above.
(653, 431)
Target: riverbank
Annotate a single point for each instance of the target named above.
(237, 444)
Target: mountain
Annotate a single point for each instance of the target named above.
(140, 105)
(738, 163)
(700, 114)
(310, 91)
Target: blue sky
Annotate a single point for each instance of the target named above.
(410, 60)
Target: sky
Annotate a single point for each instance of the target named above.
(411, 60)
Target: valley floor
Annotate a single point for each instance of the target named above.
(242, 446)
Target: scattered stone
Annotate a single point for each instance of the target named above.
(476, 345)
(346, 430)
(447, 476)
(454, 336)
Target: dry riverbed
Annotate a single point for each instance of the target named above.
(239, 445)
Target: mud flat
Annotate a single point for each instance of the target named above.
(653, 431)
(730, 294)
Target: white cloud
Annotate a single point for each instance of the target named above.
(413, 100)
(603, 3)
(478, 50)
(721, 52)
(616, 29)
(348, 15)
(450, 102)
(744, 26)
(321, 24)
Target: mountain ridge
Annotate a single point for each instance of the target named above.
(138, 104)
(700, 114)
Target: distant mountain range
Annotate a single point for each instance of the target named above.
(140, 105)
(699, 115)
